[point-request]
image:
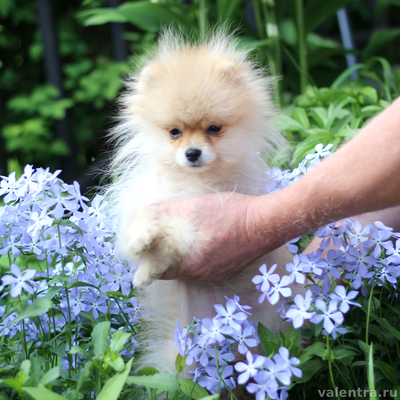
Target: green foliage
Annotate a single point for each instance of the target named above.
(353, 362)
(30, 109)
(334, 115)
(283, 39)
(282, 35)
(104, 372)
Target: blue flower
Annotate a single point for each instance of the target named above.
(266, 278)
(327, 315)
(214, 378)
(250, 369)
(263, 386)
(300, 311)
(296, 269)
(280, 289)
(19, 281)
(228, 316)
(283, 358)
(344, 299)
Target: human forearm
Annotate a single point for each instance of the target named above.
(363, 176)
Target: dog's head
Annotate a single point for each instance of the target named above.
(200, 107)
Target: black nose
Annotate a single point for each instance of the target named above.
(193, 154)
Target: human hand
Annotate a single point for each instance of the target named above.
(225, 238)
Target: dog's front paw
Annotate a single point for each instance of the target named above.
(146, 274)
(141, 233)
(155, 242)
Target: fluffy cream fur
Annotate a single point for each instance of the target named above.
(189, 90)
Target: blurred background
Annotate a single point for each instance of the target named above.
(62, 64)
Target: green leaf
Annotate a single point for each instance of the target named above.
(321, 42)
(75, 350)
(14, 383)
(293, 336)
(308, 353)
(5, 7)
(84, 376)
(42, 393)
(381, 5)
(162, 382)
(67, 222)
(301, 117)
(387, 370)
(60, 350)
(59, 148)
(371, 93)
(337, 111)
(102, 16)
(81, 284)
(114, 385)
(226, 8)
(52, 291)
(379, 39)
(320, 116)
(180, 363)
(370, 372)
(288, 124)
(35, 372)
(364, 347)
(51, 375)
(310, 368)
(341, 353)
(317, 349)
(192, 389)
(371, 109)
(388, 84)
(25, 367)
(145, 15)
(211, 397)
(38, 307)
(288, 31)
(99, 337)
(118, 340)
(147, 371)
(151, 16)
(308, 145)
(384, 322)
(117, 364)
(317, 11)
(269, 341)
(345, 75)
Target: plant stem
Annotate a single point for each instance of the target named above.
(257, 15)
(273, 54)
(369, 313)
(125, 316)
(355, 378)
(341, 374)
(330, 363)
(23, 341)
(68, 306)
(302, 45)
(203, 18)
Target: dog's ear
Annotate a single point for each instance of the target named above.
(229, 69)
(148, 76)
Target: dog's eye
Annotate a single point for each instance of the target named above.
(213, 129)
(175, 132)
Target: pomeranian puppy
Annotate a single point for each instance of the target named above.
(194, 121)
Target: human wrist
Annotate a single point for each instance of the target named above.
(263, 223)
